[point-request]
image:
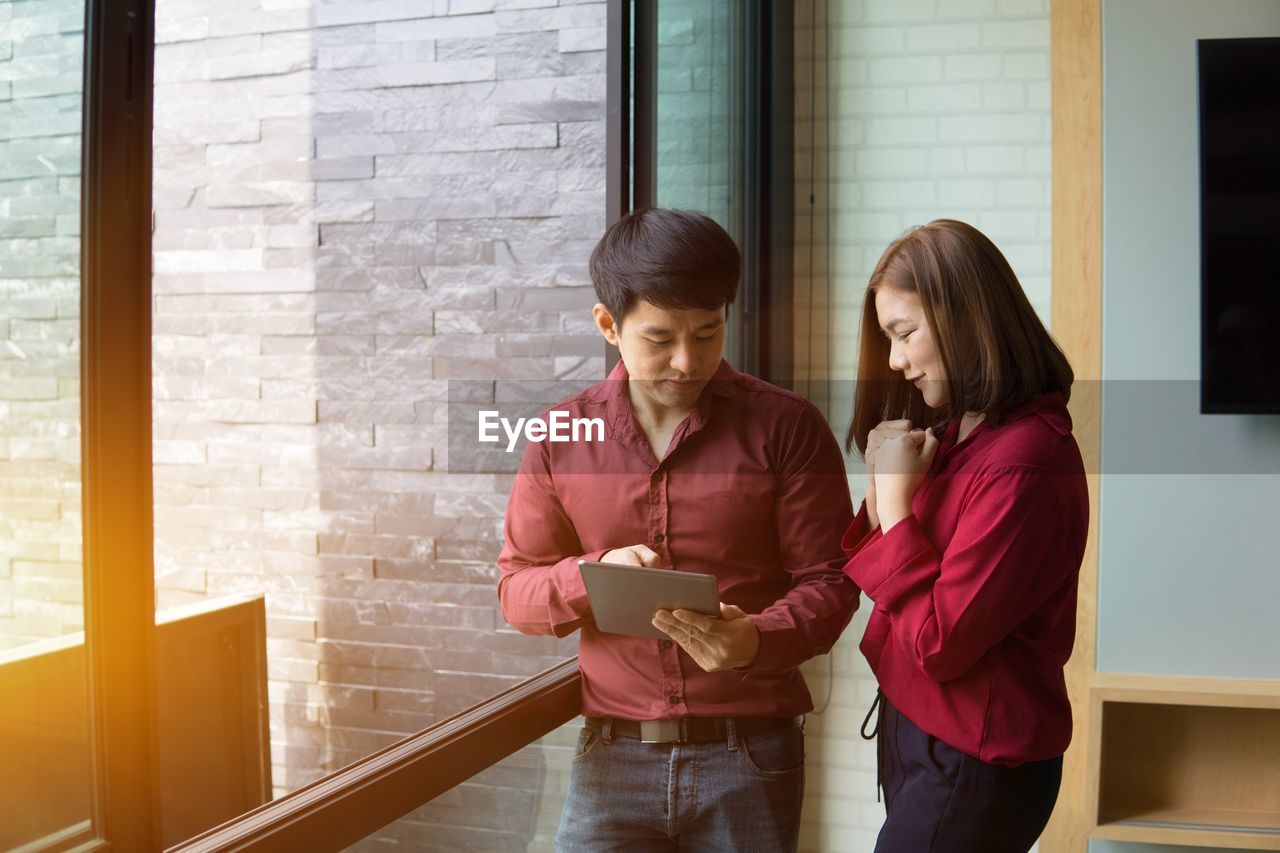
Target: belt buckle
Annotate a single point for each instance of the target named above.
(659, 731)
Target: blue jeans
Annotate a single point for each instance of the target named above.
(742, 795)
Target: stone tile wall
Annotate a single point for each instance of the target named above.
(41, 57)
(357, 202)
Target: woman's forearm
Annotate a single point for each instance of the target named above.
(891, 515)
(869, 498)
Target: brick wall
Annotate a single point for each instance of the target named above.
(357, 202)
(41, 55)
(908, 110)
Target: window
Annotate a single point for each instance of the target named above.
(710, 128)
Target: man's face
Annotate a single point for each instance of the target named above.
(670, 353)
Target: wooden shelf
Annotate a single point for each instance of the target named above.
(1185, 761)
(1185, 690)
(1193, 828)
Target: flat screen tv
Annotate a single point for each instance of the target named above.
(1239, 225)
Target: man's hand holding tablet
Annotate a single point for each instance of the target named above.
(729, 642)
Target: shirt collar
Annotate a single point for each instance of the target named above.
(1050, 408)
(621, 417)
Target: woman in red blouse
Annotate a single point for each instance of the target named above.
(969, 543)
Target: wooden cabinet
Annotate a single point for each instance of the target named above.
(1189, 761)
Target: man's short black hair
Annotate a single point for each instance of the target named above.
(668, 258)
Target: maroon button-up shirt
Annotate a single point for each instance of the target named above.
(752, 490)
(975, 592)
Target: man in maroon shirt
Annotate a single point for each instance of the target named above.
(692, 741)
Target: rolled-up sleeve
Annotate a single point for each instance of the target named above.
(859, 535)
(1011, 550)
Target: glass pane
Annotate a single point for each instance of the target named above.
(512, 806)
(357, 204)
(700, 133)
(44, 724)
(699, 136)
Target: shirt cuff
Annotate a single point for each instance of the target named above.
(574, 605)
(859, 535)
(776, 652)
(887, 566)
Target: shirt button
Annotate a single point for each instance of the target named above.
(658, 537)
(666, 644)
(674, 700)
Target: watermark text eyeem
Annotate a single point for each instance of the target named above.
(557, 427)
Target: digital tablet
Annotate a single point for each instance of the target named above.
(624, 598)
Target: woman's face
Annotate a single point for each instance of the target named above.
(911, 349)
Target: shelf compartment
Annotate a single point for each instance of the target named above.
(1194, 762)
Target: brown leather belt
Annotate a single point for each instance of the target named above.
(693, 729)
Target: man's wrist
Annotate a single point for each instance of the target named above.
(753, 644)
(755, 652)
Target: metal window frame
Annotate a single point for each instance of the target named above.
(644, 104)
(617, 110)
(115, 377)
(775, 170)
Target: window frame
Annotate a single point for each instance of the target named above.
(116, 441)
(762, 315)
(115, 379)
(342, 808)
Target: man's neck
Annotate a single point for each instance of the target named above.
(651, 415)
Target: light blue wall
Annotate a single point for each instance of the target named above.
(1189, 548)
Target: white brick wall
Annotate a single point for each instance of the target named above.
(908, 110)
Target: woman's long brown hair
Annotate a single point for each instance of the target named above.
(995, 351)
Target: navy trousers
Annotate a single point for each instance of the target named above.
(941, 800)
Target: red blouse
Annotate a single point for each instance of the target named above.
(975, 592)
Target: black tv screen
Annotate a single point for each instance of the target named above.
(1240, 225)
